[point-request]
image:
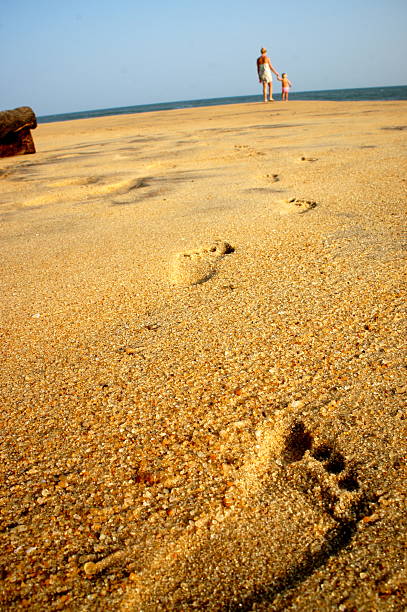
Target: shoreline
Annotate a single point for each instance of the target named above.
(203, 381)
(196, 103)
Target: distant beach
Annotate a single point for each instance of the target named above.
(203, 381)
(367, 93)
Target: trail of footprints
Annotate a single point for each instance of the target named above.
(122, 190)
(197, 266)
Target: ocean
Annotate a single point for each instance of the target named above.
(368, 93)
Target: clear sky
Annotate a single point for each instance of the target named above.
(69, 55)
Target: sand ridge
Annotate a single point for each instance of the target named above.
(203, 382)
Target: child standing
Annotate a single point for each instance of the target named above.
(285, 84)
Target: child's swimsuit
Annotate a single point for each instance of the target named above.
(286, 89)
(265, 73)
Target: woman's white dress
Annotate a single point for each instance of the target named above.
(265, 73)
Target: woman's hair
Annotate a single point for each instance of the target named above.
(263, 50)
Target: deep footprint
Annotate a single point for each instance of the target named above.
(296, 502)
(322, 472)
(197, 266)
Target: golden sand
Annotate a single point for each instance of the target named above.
(203, 361)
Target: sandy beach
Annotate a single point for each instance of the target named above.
(203, 380)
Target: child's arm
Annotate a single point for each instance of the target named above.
(279, 78)
(289, 82)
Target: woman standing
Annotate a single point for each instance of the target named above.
(264, 70)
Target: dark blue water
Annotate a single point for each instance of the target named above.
(368, 93)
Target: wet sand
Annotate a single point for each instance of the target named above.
(203, 361)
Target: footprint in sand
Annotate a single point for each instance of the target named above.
(309, 159)
(294, 205)
(328, 483)
(294, 503)
(274, 178)
(249, 151)
(303, 205)
(321, 471)
(197, 266)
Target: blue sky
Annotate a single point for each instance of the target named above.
(71, 55)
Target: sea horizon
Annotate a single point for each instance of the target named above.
(394, 92)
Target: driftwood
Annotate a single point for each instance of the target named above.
(15, 134)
